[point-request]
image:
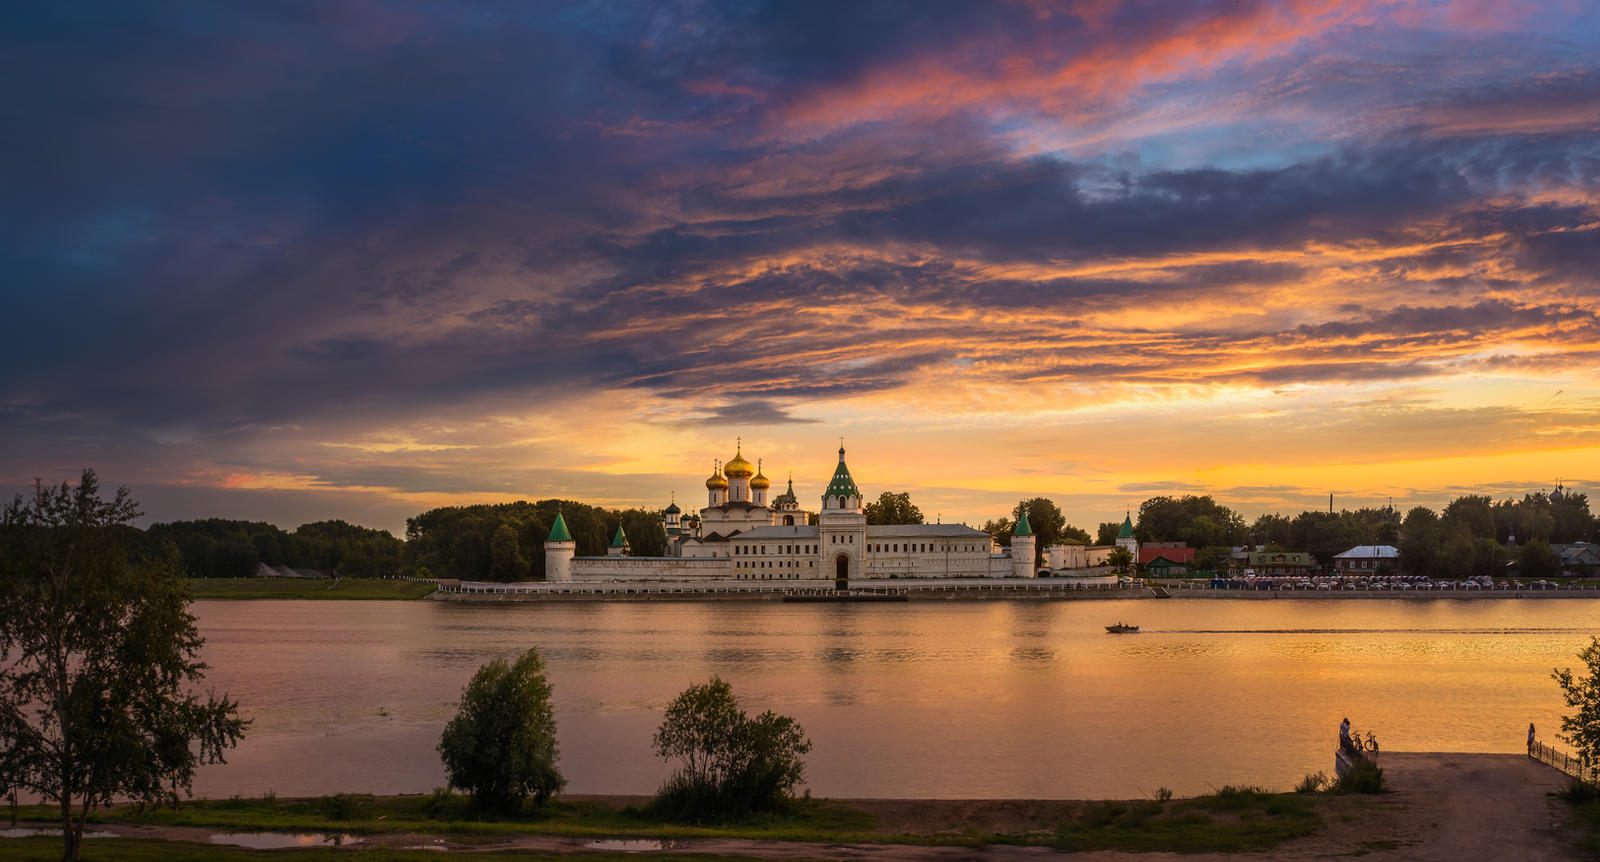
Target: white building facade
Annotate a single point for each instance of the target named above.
(738, 536)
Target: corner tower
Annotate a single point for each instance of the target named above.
(559, 549)
(1022, 547)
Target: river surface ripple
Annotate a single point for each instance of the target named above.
(928, 699)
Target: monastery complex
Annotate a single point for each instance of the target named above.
(740, 535)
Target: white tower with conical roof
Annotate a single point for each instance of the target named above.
(559, 549)
(1022, 547)
(842, 527)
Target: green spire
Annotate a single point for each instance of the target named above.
(841, 485)
(1022, 524)
(619, 540)
(1127, 527)
(558, 532)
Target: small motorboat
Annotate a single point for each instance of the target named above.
(1121, 629)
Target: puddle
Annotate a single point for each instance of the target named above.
(26, 832)
(633, 845)
(280, 840)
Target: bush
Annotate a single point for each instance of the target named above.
(1314, 782)
(728, 763)
(1363, 777)
(501, 746)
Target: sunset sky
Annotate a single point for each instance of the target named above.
(353, 259)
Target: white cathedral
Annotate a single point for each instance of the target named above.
(740, 536)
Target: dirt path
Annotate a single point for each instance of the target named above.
(1444, 808)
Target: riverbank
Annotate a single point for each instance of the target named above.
(1443, 807)
(297, 588)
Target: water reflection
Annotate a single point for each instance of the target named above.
(947, 698)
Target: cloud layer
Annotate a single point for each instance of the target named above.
(372, 258)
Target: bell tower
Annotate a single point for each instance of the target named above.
(842, 528)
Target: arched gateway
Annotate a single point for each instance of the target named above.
(841, 572)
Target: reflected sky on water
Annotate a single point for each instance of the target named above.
(937, 699)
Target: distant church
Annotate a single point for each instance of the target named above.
(739, 536)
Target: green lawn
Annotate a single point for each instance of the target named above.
(41, 849)
(1231, 820)
(294, 588)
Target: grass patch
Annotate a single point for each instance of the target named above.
(446, 813)
(1234, 819)
(42, 849)
(294, 588)
(1230, 820)
(1583, 806)
(1363, 776)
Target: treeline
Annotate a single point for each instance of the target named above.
(505, 541)
(1472, 535)
(219, 548)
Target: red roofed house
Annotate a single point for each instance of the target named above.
(1165, 559)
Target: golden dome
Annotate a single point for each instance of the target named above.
(738, 468)
(716, 482)
(760, 482)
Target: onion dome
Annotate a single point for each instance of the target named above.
(760, 482)
(672, 508)
(716, 482)
(738, 468)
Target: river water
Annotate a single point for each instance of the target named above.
(936, 699)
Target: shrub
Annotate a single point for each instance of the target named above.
(1163, 794)
(1314, 782)
(727, 762)
(1363, 777)
(501, 746)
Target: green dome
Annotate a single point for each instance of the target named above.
(1127, 527)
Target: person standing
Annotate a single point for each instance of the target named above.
(1530, 737)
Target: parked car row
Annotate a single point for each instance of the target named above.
(1388, 582)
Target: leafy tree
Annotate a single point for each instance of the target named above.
(1120, 559)
(501, 746)
(1419, 541)
(1107, 533)
(1539, 560)
(1213, 558)
(727, 763)
(1195, 520)
(505, 555)
(98, 659)
(892, 508)
(1581, 729)
(1473, 511)
(1272, 530)
(1000, 529)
